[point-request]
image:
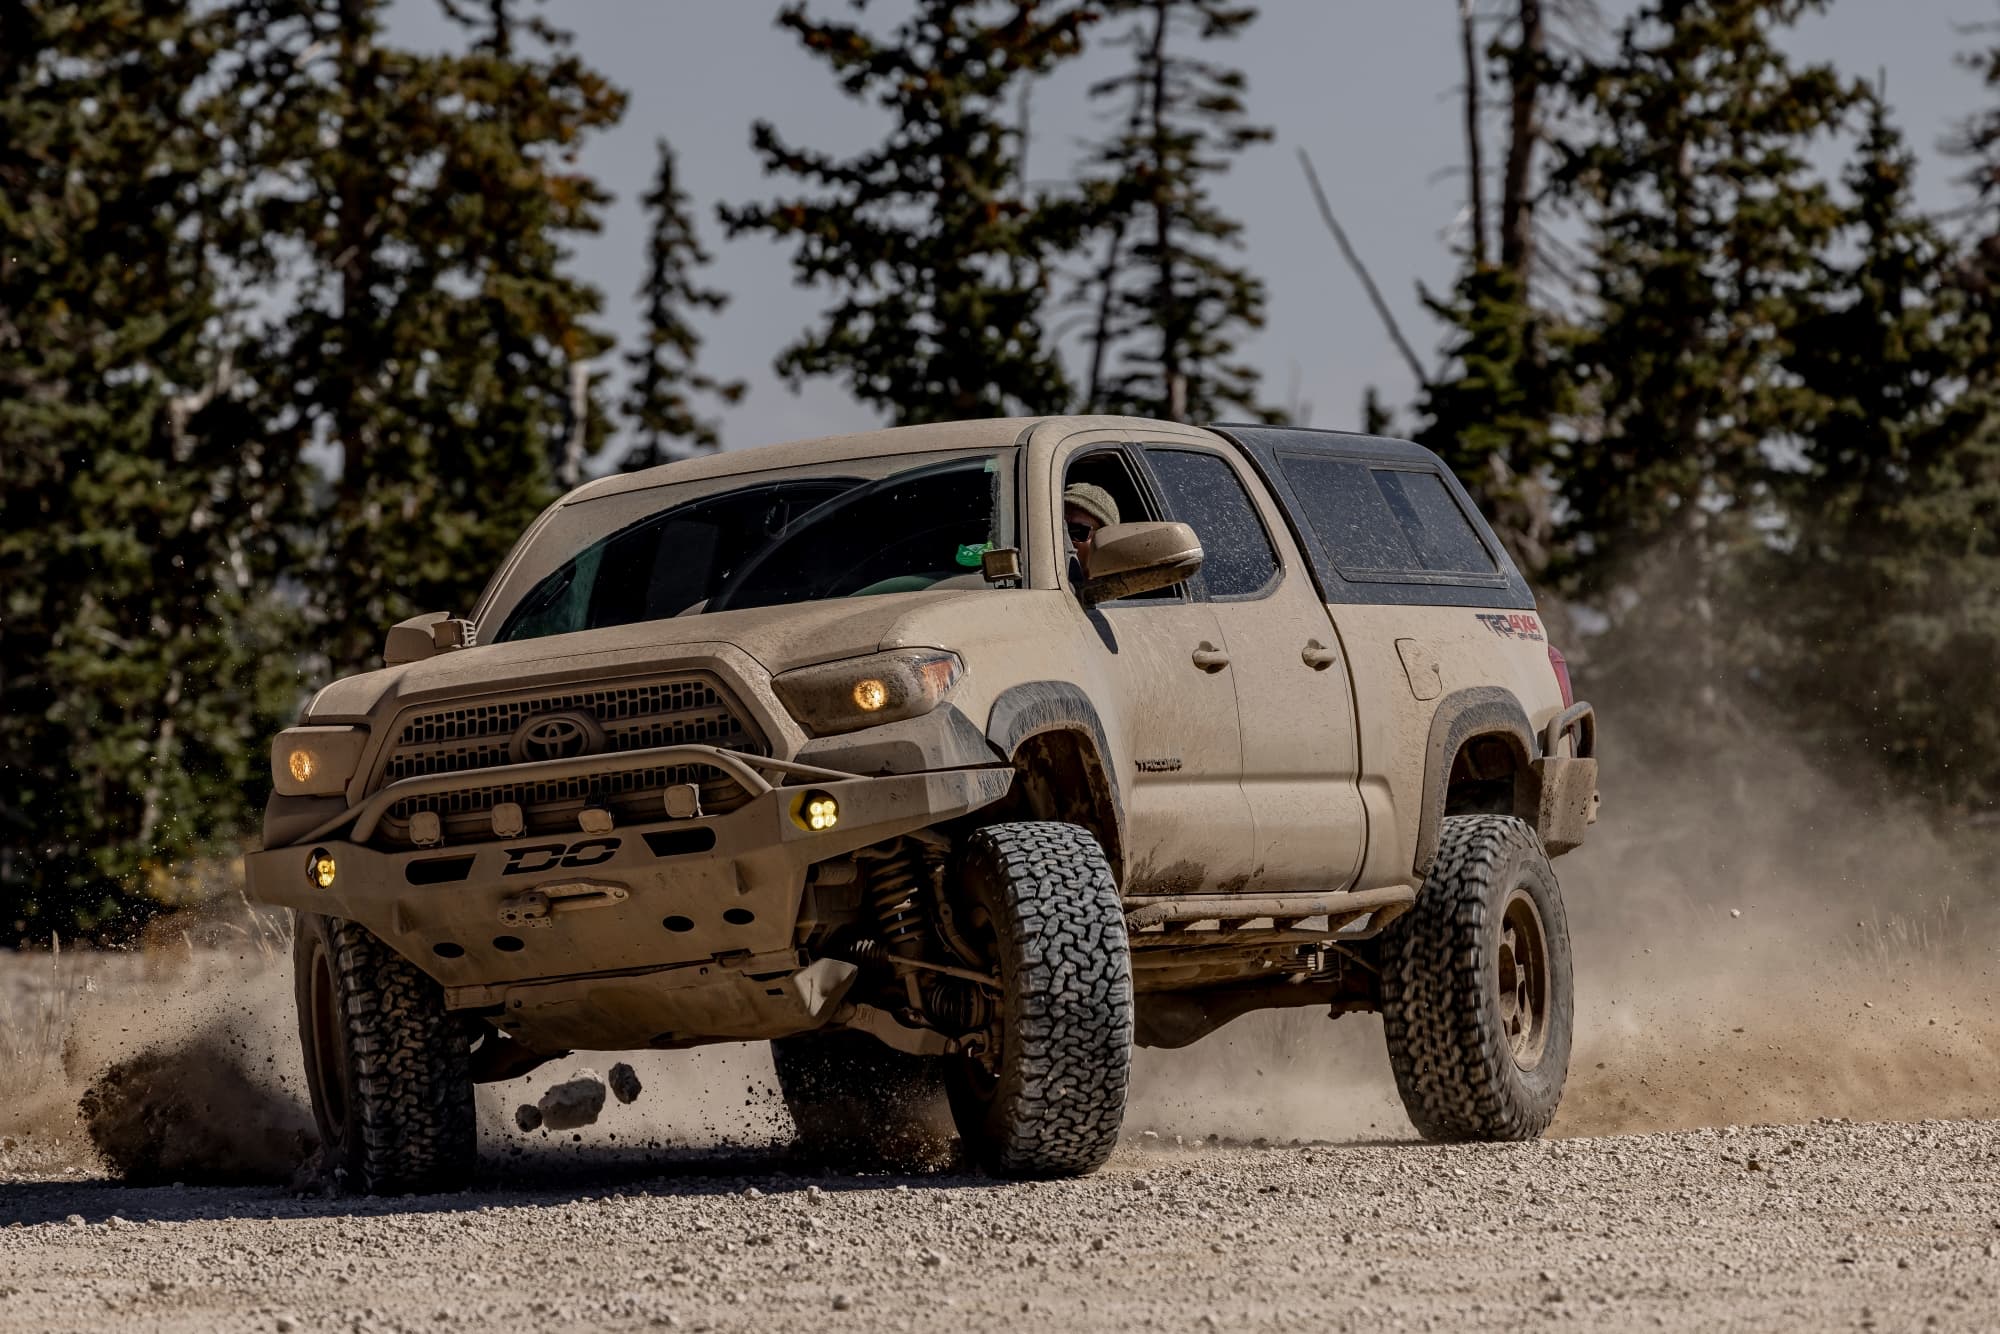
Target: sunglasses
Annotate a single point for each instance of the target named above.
(1081, 532)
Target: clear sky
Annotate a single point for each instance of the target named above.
(1369, 87)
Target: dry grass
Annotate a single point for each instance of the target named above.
(1927, 933)
(35, 1010)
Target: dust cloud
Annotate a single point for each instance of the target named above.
(1757, 940)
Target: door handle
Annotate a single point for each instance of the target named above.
(1210, 658)
(1318, 656)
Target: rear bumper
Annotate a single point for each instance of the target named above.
(631, 937)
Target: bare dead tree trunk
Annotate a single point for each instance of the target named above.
(1517, 212)
(1163, 238)
(1361, 271)
(1475, 158)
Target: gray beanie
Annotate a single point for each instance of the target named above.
(1092, 500)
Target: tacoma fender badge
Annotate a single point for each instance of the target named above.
(1166, 765)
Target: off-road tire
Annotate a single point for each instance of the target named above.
(389, 1070)
(1055, 1103)
(1447, 1027)
(859, 1103)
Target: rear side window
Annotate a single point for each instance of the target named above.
(1379, 522)
(1205, 493)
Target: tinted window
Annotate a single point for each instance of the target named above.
(1205, 493)
(903, 533)
(798, 540)
(1377, 520)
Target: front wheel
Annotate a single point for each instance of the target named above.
(1046, 1098)
(1476, 987)
(389, 1070)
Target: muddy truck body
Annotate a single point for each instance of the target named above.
(840, 745)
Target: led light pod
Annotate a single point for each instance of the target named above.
(815, 811)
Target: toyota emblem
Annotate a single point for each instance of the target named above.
(555, 736)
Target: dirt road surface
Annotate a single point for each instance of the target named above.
(1825, 1226)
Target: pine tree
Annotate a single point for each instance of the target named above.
(1496, 414)
(1881, 614)
(1978, 141)
(1497, 409)
(1707, 222)
(144, 660)
(661, 403)
(437, 340)
(1169, 302)
(937, 252)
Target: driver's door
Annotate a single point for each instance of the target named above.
(1171, 710)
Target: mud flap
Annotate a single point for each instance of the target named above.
(1565, 801)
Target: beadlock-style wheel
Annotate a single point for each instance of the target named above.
(1476, 987)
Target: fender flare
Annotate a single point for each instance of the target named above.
(1461, 716)
(1032, 708)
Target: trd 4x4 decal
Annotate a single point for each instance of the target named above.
(1512, 624)
(538, 857)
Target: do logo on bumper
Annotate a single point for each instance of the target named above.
(538, 857)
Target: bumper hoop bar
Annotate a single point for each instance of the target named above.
(749, 770)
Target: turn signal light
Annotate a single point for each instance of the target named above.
(320, 868)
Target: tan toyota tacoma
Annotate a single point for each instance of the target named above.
(954, 761)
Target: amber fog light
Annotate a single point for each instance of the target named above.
(320, 868)
(816, 812)
(302, 766)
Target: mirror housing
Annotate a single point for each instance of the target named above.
(424, 636)
(1128, 558)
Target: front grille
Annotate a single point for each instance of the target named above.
(465, 738)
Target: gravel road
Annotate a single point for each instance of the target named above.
(1824, 1226)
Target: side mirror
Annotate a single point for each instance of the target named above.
(1130, 558)
(424, 636)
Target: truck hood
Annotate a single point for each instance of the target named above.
(777, 638)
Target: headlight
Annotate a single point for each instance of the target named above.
(863, 692)
(316, 761)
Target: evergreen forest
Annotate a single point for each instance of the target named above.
(294, 344)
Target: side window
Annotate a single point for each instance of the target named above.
(1205, 493)
(1109, 470)
(1377, 521)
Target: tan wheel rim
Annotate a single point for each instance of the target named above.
(1521, 969)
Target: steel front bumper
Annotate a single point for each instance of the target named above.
(664, 933)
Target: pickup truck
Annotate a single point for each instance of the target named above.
(954, 761)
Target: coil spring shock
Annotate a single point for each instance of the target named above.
(893, 881)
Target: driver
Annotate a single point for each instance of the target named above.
(1086, 509)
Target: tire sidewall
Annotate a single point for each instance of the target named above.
(328, 1060)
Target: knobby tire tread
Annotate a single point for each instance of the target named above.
(412, 1123)
(1454, 1069)
(1067, 1050)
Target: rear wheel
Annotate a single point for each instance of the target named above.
(389, 1070)
(859, 1103)
(1047, 1096)
(1476, 987)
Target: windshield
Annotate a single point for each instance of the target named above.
(850, 529)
